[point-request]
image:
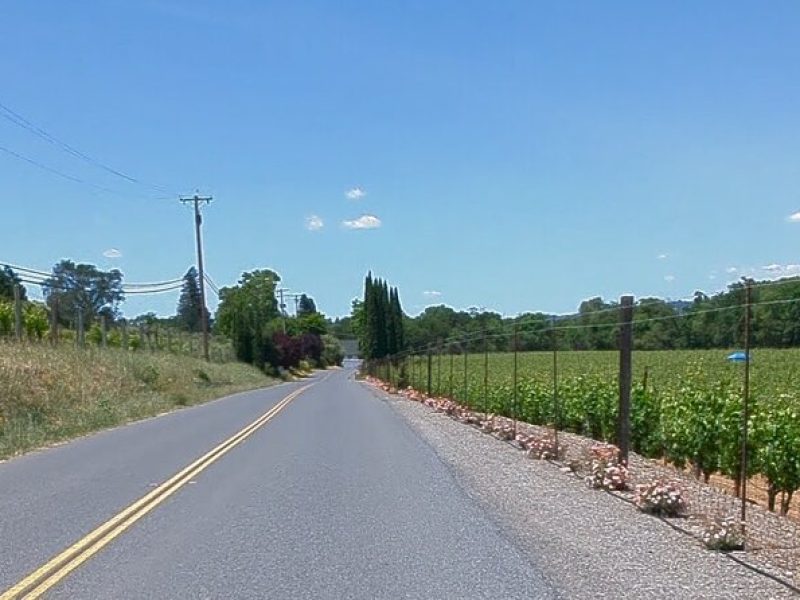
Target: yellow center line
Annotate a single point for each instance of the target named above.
(57, 568)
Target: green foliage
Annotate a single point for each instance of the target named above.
(706, 322)
(306, 306)
(190, 306)
(35, 320)
(85, 289)
(776, 439)
(6, 318)
(688, 411)
(332, 351)
(379, 321)
(8, 279)
(308, 323)
(245, 314)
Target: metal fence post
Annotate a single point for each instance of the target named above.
(430, 375)
(625, 376)
(439, 369)
(485, 375)
(745, 405)
(466, 387)
(452, 359)
(556, 407)
(515, 397)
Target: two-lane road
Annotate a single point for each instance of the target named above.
(310, 489)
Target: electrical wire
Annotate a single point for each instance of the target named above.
(43, 275)
(21, 121)
(505, 332)
(211, 284)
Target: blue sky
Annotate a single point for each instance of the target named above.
(511, 155)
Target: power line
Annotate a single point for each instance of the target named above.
(37, 276)
(505, 328)
(211, 284)
(21, 121)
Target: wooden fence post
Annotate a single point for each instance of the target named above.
(80, 336)
(54, 321)
(17, 312)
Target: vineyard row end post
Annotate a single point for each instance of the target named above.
(625, 377)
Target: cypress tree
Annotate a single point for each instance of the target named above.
(369, 341)
(391, 324)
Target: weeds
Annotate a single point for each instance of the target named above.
(49, 394)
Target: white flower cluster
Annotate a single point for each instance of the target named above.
(542, 448)
(660, 497)
(723, 534)
(608, 473)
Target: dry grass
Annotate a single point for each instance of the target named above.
(49, 394)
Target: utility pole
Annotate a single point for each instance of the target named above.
(282, 306)
(196, 200)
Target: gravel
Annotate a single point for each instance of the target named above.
(589, 544)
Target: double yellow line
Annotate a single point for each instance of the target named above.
(48, 575)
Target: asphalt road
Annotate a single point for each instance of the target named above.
(334, 497)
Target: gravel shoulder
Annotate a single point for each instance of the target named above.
(588, 543)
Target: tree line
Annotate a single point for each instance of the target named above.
(706, 321)
(263, 335)
(78, 294)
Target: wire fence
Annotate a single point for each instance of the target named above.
(51, 323)
(723, 425)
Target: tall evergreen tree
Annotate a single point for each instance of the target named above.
(391, 325)
(367, 338)
(380, 320)
(306, 306)
(8, 279)
(189, 304)
(397, 317)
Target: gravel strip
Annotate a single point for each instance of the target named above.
(588, 543)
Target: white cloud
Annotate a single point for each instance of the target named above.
(112, 253)
(363, 222)
(776, 270)
(794, 217)
(712, 277)
(669, 278)
(314, 223)
(432, 293)
(731, 270)
(355, 193)
(663, 256)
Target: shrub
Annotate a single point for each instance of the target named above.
(607, 472)
(541, 448)
(723, 535)
(660, 497)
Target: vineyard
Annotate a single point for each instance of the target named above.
(686, 405)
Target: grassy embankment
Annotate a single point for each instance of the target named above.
(51, 394)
